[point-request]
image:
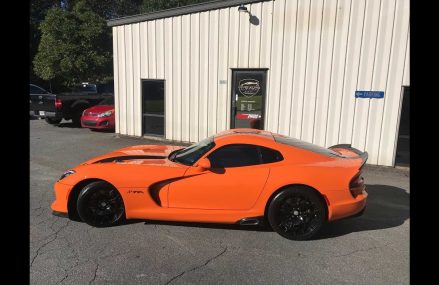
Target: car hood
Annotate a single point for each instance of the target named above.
(140, 154)
(99, 109)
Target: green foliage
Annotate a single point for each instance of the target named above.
(109, 9)
(155, 5)
(75, 46)
(38, 10)
(74, 42)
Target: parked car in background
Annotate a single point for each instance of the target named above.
(36, 92)
(67, 105)
(100, 116)
(35, 89)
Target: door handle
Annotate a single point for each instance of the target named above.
(234, 107)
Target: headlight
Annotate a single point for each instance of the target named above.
(106, 114)
(65, 174)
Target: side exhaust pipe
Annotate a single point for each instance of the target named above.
(249, 222)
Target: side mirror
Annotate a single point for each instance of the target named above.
(204, 163)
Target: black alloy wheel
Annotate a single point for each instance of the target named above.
(99, 204)
(297, 213)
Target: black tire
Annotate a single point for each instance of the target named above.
(52, 121)
(297, 213)
(76, 118)
(99, 204)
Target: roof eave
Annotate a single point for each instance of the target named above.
(195, 8)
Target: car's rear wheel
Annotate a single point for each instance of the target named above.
(297, 213)
(52, 121)
(99, 204)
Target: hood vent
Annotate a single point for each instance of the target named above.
(128, 157)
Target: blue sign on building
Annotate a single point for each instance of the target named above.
(369, 94)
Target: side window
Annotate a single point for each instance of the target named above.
(36, 90)
(235, 155)
(270, 155)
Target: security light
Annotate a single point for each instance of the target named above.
(242, 8)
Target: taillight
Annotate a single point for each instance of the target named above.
(356, 186)
(58, 103)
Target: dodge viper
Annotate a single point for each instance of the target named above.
(242, 176)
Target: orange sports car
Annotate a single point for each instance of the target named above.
(243, 176)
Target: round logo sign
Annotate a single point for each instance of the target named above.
(249, 87)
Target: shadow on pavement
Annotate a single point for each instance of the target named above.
(72, 125)
(103, 130)
(386, 207)
(68, 125)
(259, 228)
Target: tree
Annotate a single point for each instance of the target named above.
(154, 5)
(74, 43)
(38, 10)
(109, 9)
(75, 46)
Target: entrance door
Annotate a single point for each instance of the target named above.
(248, 98)
(153, 107)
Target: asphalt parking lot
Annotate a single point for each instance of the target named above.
(372, 249)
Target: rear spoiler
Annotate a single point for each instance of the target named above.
(363, 155)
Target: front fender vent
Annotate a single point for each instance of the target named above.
(128, 157)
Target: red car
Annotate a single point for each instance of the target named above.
(100, 116)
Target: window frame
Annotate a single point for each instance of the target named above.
(300, 144)
(258, 149)
(271, 149)
(37, 88)
(173, 155)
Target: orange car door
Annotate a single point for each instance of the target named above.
(234, 182)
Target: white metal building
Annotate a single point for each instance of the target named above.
(289, 66)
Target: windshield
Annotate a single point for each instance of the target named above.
(189, 155)
(304, 145)
(37, 90)
(107, 101)
(85, 87)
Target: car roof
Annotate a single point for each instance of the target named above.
(247, 132)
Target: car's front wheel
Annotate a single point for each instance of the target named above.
(99, 204)
(297, 213)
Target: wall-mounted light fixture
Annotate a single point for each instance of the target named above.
(253, 19)
(242, 8)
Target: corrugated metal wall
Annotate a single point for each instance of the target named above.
(319, 52)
